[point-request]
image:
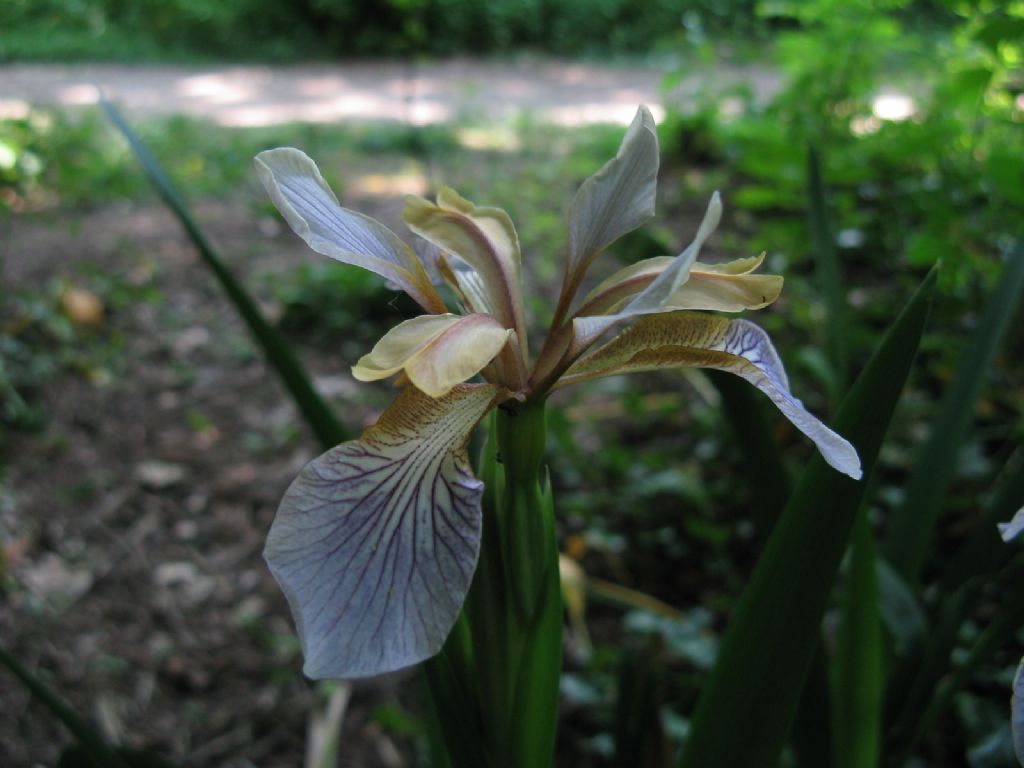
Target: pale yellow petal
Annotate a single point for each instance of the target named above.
(484, 239)
(436, 352)
(622, 285)
(742, 266)
(458, 354)
(726, 293)
(393, 351)
(728, 287)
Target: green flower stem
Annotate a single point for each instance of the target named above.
(521, 437)
(506, 652)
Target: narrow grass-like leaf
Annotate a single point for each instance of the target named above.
(1017, 713)
(88, 737)
(912, 682)
(922, 667)
(984, 551)
(901, 611)
(638, 731)
(323, 728)
(830, 280)
(913, 524)
(458, 741)
(858, 677)
(747, 706)
(812, 729)
(317, 414)
(1006, 624)
(762, 461)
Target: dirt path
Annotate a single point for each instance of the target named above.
(563, 92)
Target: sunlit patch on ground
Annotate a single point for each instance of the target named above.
(427, 94)
(388, 184)
(493, 137)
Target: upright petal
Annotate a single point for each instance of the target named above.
(615, 200)
(658, 294)
(707, 341)
(309, 206)
(435, 351)
(376, 541)
(483, 238)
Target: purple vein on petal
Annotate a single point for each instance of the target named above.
(376, 542)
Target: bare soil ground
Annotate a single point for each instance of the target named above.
(136, 517)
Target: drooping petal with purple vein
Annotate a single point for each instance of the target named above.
(678, 339)
(376, 541)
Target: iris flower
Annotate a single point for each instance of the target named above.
(375, 543)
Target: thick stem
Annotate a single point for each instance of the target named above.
(521, 436)
(514, 608)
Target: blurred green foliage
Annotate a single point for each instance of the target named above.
(325, 303)
(920, 134)
(54, 158)
(258, 30)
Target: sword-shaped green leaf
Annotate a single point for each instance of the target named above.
(762, 459)
(88, 737)
(830, 279)
(912, 525)
(996, 635)
(747, 706)
(857, 681)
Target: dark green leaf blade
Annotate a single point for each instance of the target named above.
(946, 682)
(761, 456)
(921, 669)
(92, 743)
(830, 280)
(747, 705)
(811, 738)
(317, 414)
(985, 551)
(913, 524)
(858, 677)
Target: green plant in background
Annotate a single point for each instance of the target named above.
(182, 30)
(909, 189)
(915, 117)
(376, 543)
